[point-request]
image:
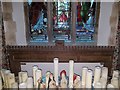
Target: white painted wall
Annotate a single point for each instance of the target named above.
(103, 29)
(61, 66)
(18, 17)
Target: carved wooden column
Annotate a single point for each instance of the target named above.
(0, 37)
(3, 61)
(118, 45)
(118, 65)
(116, 56)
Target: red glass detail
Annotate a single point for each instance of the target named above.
(63, 17)
(63, 71)
(79, 18)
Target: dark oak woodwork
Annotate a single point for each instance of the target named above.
(18, 54)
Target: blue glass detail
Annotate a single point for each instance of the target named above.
(38, 21)
(61, 20)
(29, 2)
(85, 23)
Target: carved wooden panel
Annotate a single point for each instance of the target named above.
(18, 54)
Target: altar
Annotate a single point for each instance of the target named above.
(57, 75)
(60, 66)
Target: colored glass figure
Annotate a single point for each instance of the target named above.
(38, 21)
(85, 23)
(61, 20)
(63, 81)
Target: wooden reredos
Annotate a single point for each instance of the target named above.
(18, 54)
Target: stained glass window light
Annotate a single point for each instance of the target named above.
(85, 21)
(38, 21)
(61, 20)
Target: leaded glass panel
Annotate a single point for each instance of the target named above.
(85, 21)
(38, 21)
(61, 20)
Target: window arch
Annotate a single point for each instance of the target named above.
(75, 23)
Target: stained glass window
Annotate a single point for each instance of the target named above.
(85, 21)
(72, 22)
(38, 21)
(61, 20)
